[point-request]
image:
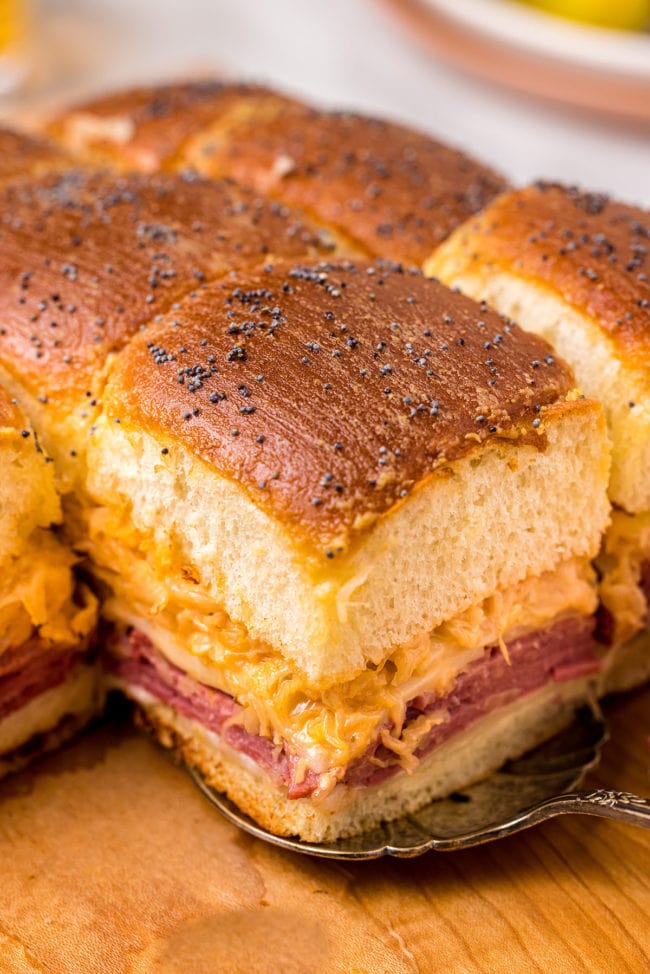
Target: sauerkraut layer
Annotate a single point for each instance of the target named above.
(40, 596)
(334, 724)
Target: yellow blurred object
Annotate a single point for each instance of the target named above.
(14, 21)
(12, 24)
(621, 14)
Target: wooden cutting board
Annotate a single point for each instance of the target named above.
(110, 861)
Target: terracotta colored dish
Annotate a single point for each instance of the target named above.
(591, 68)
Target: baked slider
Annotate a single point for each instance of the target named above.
(573, 267)
(344, 518)
(145, 129)
(87, 260)
(48, 684)
(383, 188)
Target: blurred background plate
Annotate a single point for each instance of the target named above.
(509, 43)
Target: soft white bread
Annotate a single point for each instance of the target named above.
(481, 749)
(572, 267)
(436, 510)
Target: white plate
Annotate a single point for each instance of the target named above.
(599, 48)
(594, 68)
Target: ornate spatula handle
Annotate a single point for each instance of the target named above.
(620, 805)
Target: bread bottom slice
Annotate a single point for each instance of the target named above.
(49, 719)
(472, 754)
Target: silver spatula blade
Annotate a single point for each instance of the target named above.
(523, 793)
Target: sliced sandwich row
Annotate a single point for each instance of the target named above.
(350, 532)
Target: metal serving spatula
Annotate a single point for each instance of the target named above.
(523, 793)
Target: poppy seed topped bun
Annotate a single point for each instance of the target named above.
(318, 444)
(386, 189)
(87, 260)
(145, 129)
(573, 267)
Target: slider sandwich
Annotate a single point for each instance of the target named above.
(48, 684)
(87, 260)
(573, 267)
(344, 520)
(381, 188)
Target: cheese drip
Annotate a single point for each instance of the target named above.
(332, 725)
(625, 549)
(38, 590)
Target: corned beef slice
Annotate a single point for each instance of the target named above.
(31, 669)
(563, 651)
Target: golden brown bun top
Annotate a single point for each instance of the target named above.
(395, 192)
(11, 416)
(330, 391)
(87, 259)
(144, 128)
(591, 249)
(22, 154)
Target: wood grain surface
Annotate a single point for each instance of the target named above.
(111, 862)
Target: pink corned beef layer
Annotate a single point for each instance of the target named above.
(31, 669)
(564, 651)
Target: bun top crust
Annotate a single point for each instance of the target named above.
(21, 154)
(330, 391)
(11, 417)
(396, 192)
(86, 260)
(592, 250)
(391, 191)
(145, 128)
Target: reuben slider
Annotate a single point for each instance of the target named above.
(48, 687)
(87, 260)
(345, 518)
(574, 267)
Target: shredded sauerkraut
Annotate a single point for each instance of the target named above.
(625, 550)
(38, 595)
